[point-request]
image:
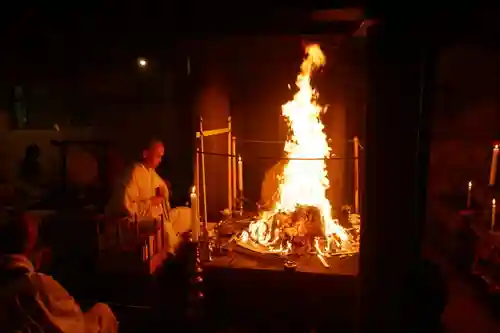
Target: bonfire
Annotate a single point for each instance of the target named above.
(302, 216)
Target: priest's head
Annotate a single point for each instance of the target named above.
(153, 153)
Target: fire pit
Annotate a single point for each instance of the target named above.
(300, 219)
(245, 279)
(300, 254)
(298, 232)
(294, 252)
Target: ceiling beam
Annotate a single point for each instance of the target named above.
(363, 28)
(338, 15)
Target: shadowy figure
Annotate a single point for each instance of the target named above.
(30, 170)
(29, 183)
(34, 302)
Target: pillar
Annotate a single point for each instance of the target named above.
(393, 207)
(212, 103)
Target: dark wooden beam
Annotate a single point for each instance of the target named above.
(338, 15)
(401, 58)
(363, 28)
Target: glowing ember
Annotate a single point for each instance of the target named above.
(302, 207)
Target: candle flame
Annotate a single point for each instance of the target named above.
(496, 147)
(493, 202)
(193, 189)
(470, 184)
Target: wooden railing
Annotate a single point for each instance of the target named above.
(131, 247)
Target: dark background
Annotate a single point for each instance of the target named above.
(77, 64)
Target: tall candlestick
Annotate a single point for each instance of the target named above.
(240, 175)
(233, 172)
(356, 175)
(195, 218)
(493, 213)
(469, 192)
(494, 163)
(229, 165)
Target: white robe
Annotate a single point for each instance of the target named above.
(35, 302)
(132, 198)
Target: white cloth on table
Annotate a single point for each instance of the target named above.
(35, 302)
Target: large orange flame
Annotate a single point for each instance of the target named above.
(305, 179)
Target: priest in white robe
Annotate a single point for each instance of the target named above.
(142, 195)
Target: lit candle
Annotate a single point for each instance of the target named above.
(469, 195)
(195, 219)
(493, 213)
(240, 175)
(494, 162)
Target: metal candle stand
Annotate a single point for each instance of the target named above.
(196, 295)
(201, 250)
(241, 201)
(215, 242)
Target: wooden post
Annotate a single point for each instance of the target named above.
(197, 179)
(233, 172)
(229, 160)
(356, 175)
(401, 62)
(203, 179)
(240, 183)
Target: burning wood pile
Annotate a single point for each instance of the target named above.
(301, 218)
(298, 232)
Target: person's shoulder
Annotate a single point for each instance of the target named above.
(54, 298)
(47, 285)
(135, 166)
(132, 170)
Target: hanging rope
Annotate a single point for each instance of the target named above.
(283, 142)
(263, 141)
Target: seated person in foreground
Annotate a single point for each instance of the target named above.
(34, 302)
(143, 195)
